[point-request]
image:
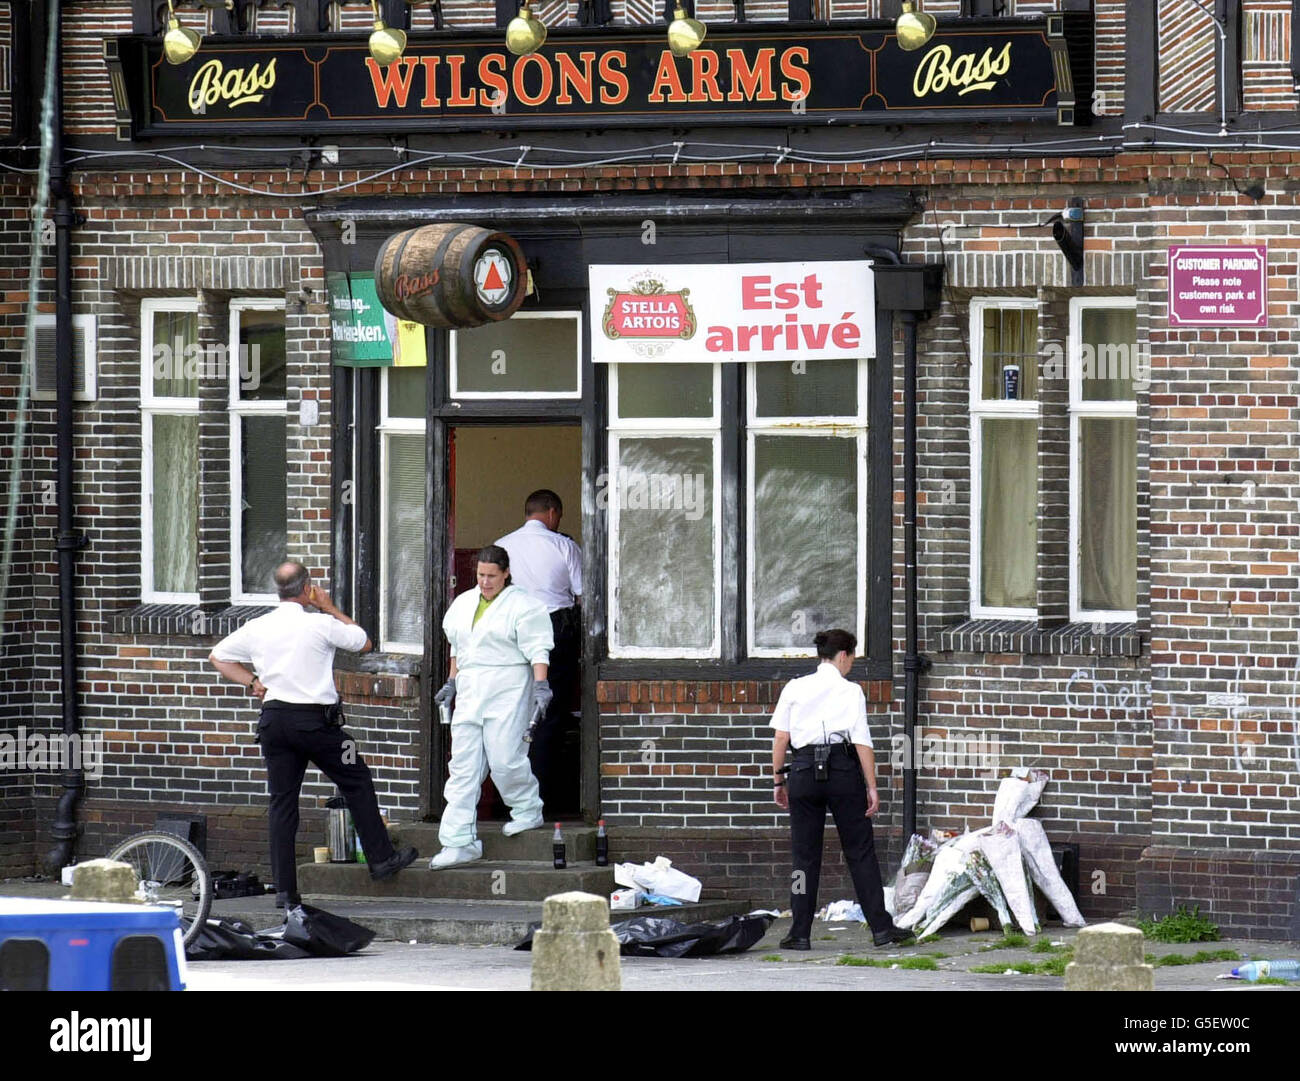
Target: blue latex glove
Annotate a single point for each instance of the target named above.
(660, 899)
(446, 693)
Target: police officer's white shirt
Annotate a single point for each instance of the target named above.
(293, 652)
(545, 565)
(822, 708)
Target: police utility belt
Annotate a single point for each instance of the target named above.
(331, 714)
(817, 757)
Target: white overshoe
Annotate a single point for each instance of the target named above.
(512, 827)
(451, 857)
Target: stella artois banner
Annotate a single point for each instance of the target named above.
(732, 312)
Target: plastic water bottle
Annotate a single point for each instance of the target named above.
(1277, 970)
(557, 848)
(602, 845)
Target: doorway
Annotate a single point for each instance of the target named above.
(492, 470)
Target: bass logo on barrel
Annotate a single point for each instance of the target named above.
(493, 277)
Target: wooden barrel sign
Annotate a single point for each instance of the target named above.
(451, 275)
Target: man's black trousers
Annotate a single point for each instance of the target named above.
(556, 774)
(291, 738)
(844, 794)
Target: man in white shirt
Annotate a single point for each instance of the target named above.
(548, 566)
(823, 716)
(301, 722)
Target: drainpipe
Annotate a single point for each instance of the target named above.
(913, 663)
(911, 291)
(65, 829)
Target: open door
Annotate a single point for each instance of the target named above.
(492, 469)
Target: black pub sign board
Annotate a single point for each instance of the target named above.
(788, 75)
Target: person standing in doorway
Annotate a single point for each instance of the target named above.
(548, 565)
(823, 717)
(500, 647)
(292, 651)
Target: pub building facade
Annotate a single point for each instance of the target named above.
(983, 350)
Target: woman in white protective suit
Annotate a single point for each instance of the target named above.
(501, 641)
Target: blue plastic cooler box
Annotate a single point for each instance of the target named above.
(88, 946)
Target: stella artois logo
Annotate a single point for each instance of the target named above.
(648, 316)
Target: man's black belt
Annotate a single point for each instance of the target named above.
(809, 749)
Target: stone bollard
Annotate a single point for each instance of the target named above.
(104, 880)
(575, 950)
(1108, 957)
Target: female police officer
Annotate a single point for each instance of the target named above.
(824, 718)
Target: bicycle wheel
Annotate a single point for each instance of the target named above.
(170, 871)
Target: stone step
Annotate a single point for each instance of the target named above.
(452, 922)
(483, 880)
(579, 841)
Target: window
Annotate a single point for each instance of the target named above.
(806, 451)
(1004, 458)
(1105, 369)
(258, 452)
(803, 502)
(402, 521)
(663, 505)
(169, 403)
(530, 355)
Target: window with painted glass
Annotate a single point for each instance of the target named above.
(662, 501)
(807, 485)
(803, 502)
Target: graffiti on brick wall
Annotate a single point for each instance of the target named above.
(1264, 737)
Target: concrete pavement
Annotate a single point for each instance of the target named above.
(397, 966)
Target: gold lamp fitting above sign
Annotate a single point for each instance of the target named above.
(387, 43)
(179, 42)
(684, 33)
(914, 28)
(525, 33)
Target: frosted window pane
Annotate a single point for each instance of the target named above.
(1009, 516)
(664, 593)
(1010, 340)
(406, 391)
(1108, 514)
(260, 371)
(665, 390)
(1109, 354)
(821, 388)
(805, 539)
(538, 355)
(404, 554)
(175, 504)
(175, 356)
(263, 535)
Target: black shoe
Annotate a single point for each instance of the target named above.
(393, 864)
(891, 936)
(283, 900)
(792, 943)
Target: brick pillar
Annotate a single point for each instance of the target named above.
(215, 519)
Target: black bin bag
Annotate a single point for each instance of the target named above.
(662, 936)
(323, 934)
